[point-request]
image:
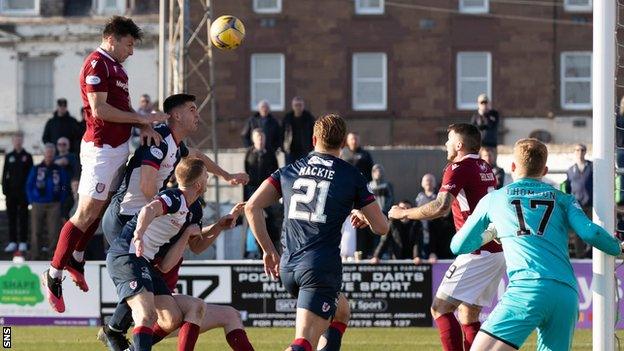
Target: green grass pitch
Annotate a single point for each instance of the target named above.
(263, 339)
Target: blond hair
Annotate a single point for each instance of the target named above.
(189, 170)
(531, 155)
(330, 130)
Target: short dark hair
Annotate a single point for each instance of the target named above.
(470, 135)
(176, 100)
(61, 102)
(119, 26)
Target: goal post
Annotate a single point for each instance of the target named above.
(603, 141)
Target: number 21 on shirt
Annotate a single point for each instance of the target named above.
(311, 186)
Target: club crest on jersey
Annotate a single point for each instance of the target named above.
(92, 80)
(133, 284)
(99, 187)
(325, 307)
(156, 152)
(483, 167)
(93, 63)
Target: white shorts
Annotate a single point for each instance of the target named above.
(473, 279)
(102, 169)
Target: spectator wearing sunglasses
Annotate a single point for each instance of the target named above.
(486, 120)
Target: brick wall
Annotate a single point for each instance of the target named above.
(319, 37)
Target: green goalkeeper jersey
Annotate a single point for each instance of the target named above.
(532, 220)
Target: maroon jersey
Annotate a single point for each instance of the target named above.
(101, 73)
(469, 180)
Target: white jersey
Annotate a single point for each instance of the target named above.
(163, 157)
(165, 227)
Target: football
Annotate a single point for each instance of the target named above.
(227, 32)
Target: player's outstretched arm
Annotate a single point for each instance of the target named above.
(372, 216)
(589, 231)
(209, 234)
(174, 254)
(473, 233)
(437, 208)
(265, 196)
(106, 112)
(232, 178)
(146, 216)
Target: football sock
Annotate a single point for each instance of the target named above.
(238, 341)
(470, 332)
(333, 334)
(68, 238)
(142, 338)
(189, 332)
(121, 318)
(450, 332)
(159, 334)
(55, 273)
(301, 344)
(86, 237)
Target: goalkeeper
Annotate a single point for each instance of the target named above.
(531, 220)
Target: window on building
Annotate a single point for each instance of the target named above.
(576, 80)
(578, 5)
(369, 81)
(267, 6)
(38, 86)
(369, 7)
(267, 80)
(474, 6)
(110, 7)
(19, 7)
(474, 77)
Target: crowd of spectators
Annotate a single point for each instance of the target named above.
(50, 187)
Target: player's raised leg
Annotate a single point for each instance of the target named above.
(331, 340)
(71, 233)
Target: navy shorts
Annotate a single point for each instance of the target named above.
(113, 221)
(132, 274)
(316, 290)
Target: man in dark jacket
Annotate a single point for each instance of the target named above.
(264, 120)
(580, 183)
(260, 164)
(357, 156)
(297, 129)
(62, 124)
(17, 165)
(47, 187)
(486, 120)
